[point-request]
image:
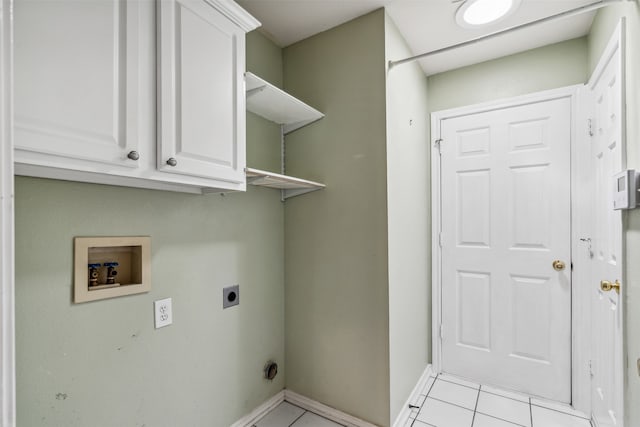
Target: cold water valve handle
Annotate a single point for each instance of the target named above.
(111, 272)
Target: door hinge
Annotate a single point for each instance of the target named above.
(590, 127)
(441, 331)
(440, 239)
(591, 367)
(438, 145)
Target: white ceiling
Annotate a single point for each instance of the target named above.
(425, 24)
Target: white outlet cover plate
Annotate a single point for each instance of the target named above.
(163, 312)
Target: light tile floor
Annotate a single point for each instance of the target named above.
(447, 401)
(288, 415)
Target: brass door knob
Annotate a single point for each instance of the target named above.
(606, 286)
(558, 265)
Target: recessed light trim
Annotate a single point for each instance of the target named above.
(480, 13)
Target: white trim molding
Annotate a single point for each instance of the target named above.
(580, 329)
(414, 397)
(324, 410)
(580, 253)
(303, 402)
(235, 13)
(259, 412)
(7, 323)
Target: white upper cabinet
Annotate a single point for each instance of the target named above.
(76, 82)
(201, 60)
(138, 93)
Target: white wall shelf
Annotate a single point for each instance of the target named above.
(274, 104)
(290, 186)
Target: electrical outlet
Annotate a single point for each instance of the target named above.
(230, 296)
(164, 313)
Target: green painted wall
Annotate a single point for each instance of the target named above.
(408, 221)
(103, 364)
(264, 59)
(548, 67)
(337, 337)
(603, 27)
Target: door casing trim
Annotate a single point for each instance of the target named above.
(7, 257)
(580, 376)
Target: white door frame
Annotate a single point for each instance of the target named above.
(580, 379)
(7, 327)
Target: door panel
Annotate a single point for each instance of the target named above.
(474, 314)
(77, 80)
(201, 111)
(474, 208)
(529, 222)
(505, 185)
(608, 158)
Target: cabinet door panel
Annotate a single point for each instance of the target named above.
(201, 95)
(76, 81)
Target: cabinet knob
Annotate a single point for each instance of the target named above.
(133, 155)
(172, 162)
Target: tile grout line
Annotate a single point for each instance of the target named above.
(501, 419)
(496, 417)
(531, 412)
(558, 410)
(507, 397)
(425, 399)
(475, 409)
(461, 385)
(452, 404)
(296, 420)
(529, 401)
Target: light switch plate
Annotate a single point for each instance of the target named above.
(163, 312)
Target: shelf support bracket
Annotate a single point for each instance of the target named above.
(256, 90)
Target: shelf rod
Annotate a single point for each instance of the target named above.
(566, 14)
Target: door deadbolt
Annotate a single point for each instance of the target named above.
(558, 265)
(606, 286)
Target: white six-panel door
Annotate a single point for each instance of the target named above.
(505, 218)
(607, 159)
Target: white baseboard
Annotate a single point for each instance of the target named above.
(262, 410)
(324, 410)
(404, 415)
(305, 403)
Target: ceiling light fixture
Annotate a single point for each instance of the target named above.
(479, 13)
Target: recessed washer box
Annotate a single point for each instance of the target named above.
(107, 267)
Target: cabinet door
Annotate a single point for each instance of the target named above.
(76, 83)
(201, 106)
